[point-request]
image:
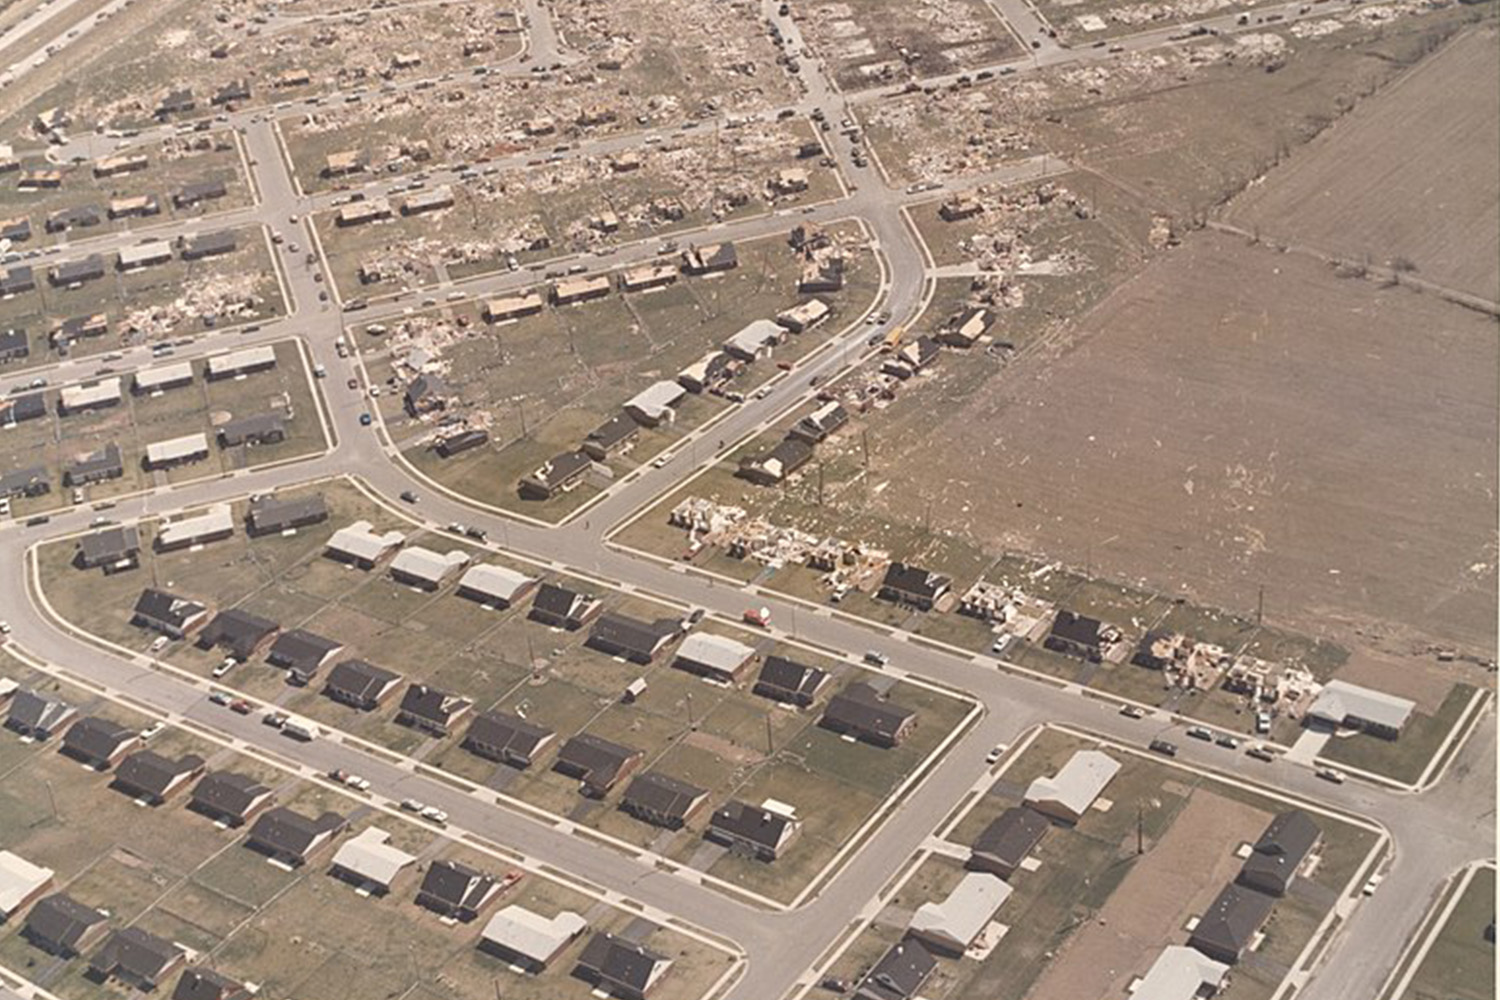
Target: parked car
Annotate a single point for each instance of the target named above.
(1164, 748)
(474, 532)
(1332, 774)
(876, 658)
(220, 697)
(409, 496)
(435, 815)
(1133, 712)
(1227, 741)
(994, 755)
(412, 805)
(1262, 722)
(1199, 733)
(274, 719)
(1261, 752)
(365, 420)
(241, 707)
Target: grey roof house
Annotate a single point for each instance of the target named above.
(507, 739)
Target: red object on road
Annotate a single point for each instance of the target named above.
(758, 616)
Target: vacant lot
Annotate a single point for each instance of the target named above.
(1359, 193)
(1461, 964)
(875, 42)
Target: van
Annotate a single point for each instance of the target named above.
(299, 729)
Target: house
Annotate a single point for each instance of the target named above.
(774, 466)
(494, 586)
(125, 163)
(507, 739)
(136, 206)
(912, 358)
(952, 926)
(198, 192)
(14, 345)
(1278, 855)
(239, 632)
(17, 230)
(616, 436)
(101, 466)
(85, 396)
(17, 279)
(177, 451)
(513, 307)
(21, 883)
(76, 217)
(176, 102)
(426, 394)
(710, 258)
(635, 640)
(60, 925)
(1076, 635)
(581, 289)
(820, 423)
(290, 837)
(713, 656)
(789, 180)
(369, 861)
(762, 832)
(647, 277)
(865, 714)
(76, 328)
(824, 273)
(755, 340)
(1349, 706)
(209, 245)
(1007, 841)
(708, 372)
(112, 549)
(662, 800)
(76, 272)
(449, 445)
(345, 161)
(229, 798)
(99, 742)
(656, 404)
(789, 682)
(155, 380)
(965, 329)
(428, 201)
(303, 653)
(1232, 923)
(28, 482)
(520, 937)
(559, 474)
(959, 207)
(137, 958)
(168, 614)
(235, 90)
(19, 409)
(357, 545)
(206, 984)
(913, 586)
(148, 776)
(596, 762)
(1181, 973)
(258, 428)
(246, 361)
(430, 710)
(457, 891)
(360, 685)
(1068, 794)
(426, 569)
(560, 607)
(621, 968)
(899, 975)
(141, 255)
(215, 523)
(273, 515)
(38, 716)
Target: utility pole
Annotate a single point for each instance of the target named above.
(1260, 604)
(864, 437)
(820, 484)
(691, 724)
(770, 746)
(1140, 829)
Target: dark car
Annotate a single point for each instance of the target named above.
(408, 496)
(478, 533)
(1164, 748)
(365, 420)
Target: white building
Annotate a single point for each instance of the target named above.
(953, 925)
(426, 568)
(1343, 704)
(163, 378)
(655, 404)
(145, 255)
(177, 451)
(1180, 973)
(528, 938)
(213, 524)
(1069, 793)
(755, 340)
(355, 543)
(104, 392)
(494, 585)
(369, 861)
(21, 883)
(242, 362)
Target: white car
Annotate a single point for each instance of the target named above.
(357, 783)
(4, 628)
(159, 643)
(435, 815)
(413, 805)
(152, 730)
(1332, 774)
(994, 755)
(224, 667)
(660, 462)
(1372, 884)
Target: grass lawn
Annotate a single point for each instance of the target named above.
(1406, 758)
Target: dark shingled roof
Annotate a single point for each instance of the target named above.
(752, 823)
(148, 773)
(206, 984)
(595, 761)
(1011, 836)
(1233, 919)
(97, 740)
(862, 710)
(1279, 852)
(238, 631)
(299, 649)
(137, 955)
(899, 974)
(455, 889)
(660, 797)
(1076, 628)
(59, 922)
(358, 682)
(282, 831)
(225, 793)
(614, 959)
(788, 680)
(505, 737)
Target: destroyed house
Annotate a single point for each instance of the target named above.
(1231, 924)
(302, 652)
(456, 891)
(19, 409)
(1156, 651)
(865, 714)
(290, 837)
(140, 959)
(965, 329)
(822, 274)
(899, 975)
(426, 394)
(1007, 841)
(507, 739)
(635, 640)
(37, 716)
(773, 467)
(1076, 635)
(99, 742)
(176, 102)
(17, 279)
(1278, 855)
(662, 800)
(801, 318)
(148, 776)
(198, 192)
(102, 465)
(360, 212)
(139, 206)
(454, 444)
(360, 685)
(913, 586)
(757, 831)
(14, 345)
(596, 762)
(208, 245)
(60, 925)
(237, 631)
(615, 436)
(708, 372)
(820, 423)
(647, 277)
(111, 549)
(168, 614)
(206, 984)
(559, 474)
(29, 482)
(16, 230)
(713, 656)
(621, 968)
(428, 201)
(494, 585)
(74, 217)
(272, 515)
(235, 90)
(73, 272)
(789, 682)
(229, 798)
(257, 429)
(710, 258)
(560, 607)
(430, 710)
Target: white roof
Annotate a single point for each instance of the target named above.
(370, 856)
(1340, 700)
(1178, 973)
(216, 520)
(714, 651)
(176, 448)
(969, 907)
(657, 398)
(425, 564)
(19, 878)
(234, 361)
(807, 312)
(1079, 782)
(143, 252)
(495, 581)
(104, 391)
(359, 541)
(513, 304)
(517, 929)
(758, 334)
(166, 374)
